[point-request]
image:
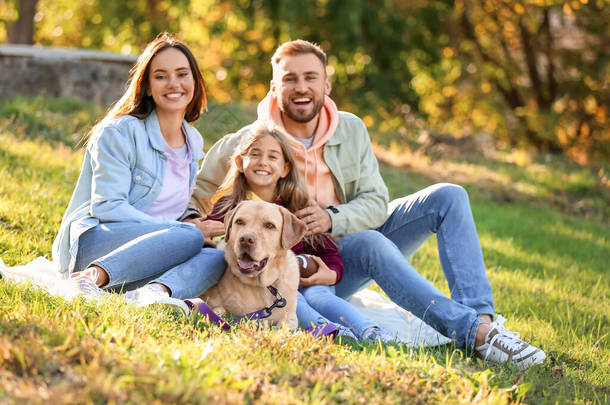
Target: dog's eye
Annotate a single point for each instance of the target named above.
(269, 225)
(239, 221)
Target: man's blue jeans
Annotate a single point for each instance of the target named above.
(134, 254)
(380, 256)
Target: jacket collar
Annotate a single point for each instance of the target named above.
(195, 143)
(339, 136)
(194, 140)
(151, 123)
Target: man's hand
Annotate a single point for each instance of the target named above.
(324, 275)
(316, 218)
(208, 229)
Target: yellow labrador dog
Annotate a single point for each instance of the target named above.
(258, 238)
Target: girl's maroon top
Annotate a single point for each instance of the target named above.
(327, 249)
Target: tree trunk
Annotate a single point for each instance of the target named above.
(156, 17)
(22, 30)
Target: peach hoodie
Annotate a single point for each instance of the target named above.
(310, 161)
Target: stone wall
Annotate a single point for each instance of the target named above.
(89, 75)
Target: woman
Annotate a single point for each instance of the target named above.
(120, 229)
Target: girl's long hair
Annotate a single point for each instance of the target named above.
(291, 189)
(135, 101)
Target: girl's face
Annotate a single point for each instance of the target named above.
(263, 165)
(170, 81)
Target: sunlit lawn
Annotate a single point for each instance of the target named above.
(549, 271)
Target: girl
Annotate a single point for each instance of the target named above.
(120, 229)
(264, 168)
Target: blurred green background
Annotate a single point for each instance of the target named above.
(531, 74)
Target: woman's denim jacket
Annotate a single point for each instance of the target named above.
(121, 177)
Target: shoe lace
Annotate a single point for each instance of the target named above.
(370, 333)
(376, 334)
(507, 339)
(343, 331)
(87, 286)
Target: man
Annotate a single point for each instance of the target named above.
(334, 155)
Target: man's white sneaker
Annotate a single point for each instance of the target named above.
(502, 345)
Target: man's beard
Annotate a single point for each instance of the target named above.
(286, 108)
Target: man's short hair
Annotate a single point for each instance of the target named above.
(298, 47)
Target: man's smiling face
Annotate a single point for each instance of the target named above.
(300, 84)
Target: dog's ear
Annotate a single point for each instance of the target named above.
(229, 221)
(293, 229)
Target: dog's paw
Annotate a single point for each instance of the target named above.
(220, 311)
(292, 323)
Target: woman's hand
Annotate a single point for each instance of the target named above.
(324, 275)
(208, 229)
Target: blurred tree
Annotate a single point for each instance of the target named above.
(119, 26)
(529, 72)
(21, 30)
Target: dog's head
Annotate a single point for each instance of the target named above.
(257, 233)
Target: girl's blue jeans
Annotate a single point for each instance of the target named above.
(319, 305)
(134, 254)
(380, 256)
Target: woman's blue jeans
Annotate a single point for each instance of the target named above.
(380, 256)
(134, 254)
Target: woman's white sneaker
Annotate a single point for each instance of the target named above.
(502, 345)
(151, 294)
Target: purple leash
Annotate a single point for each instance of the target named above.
(328, 329)
(204, 309)
(280, 302)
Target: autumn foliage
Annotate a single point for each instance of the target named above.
(531, 73)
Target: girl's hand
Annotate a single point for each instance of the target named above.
(324, 275)
(208, 229)
(221, 245)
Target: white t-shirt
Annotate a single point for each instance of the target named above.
(175, 192)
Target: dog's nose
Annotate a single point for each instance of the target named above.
(246, 240)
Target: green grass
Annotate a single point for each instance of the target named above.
(549, 271)
(543, 181)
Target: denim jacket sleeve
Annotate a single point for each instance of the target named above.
(112, 159)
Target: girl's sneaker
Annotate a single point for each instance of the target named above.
(502, 345)
(378, 335)
(346, 333)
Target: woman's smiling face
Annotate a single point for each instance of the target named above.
(170, 81)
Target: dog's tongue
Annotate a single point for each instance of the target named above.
(251, 266)
(248, 264)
